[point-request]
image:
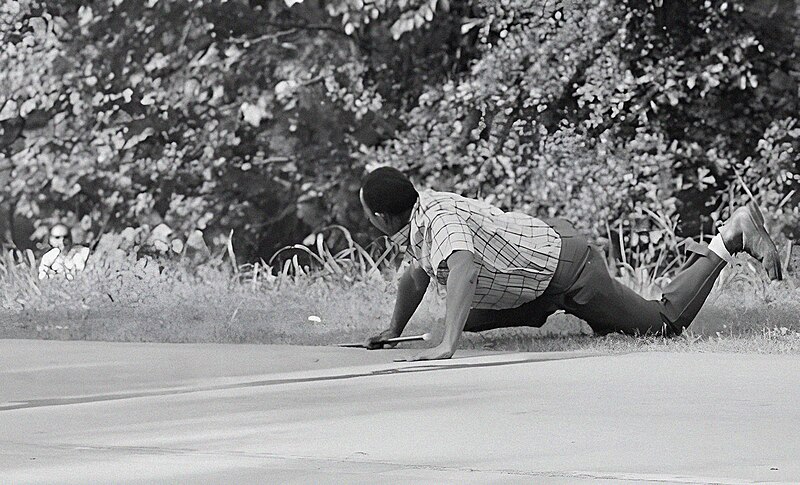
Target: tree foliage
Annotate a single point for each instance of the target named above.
(611, 108)
(260, 116)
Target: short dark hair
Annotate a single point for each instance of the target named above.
(387, 190)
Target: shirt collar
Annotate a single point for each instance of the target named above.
(401, 237)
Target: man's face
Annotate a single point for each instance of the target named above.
(378, 220)
(59, 235)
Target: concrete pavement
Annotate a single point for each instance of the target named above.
(93, 412)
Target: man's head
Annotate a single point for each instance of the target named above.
(388, 197)
(59, 236)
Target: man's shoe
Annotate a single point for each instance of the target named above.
(745, 231)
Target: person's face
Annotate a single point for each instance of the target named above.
(59, 236)
(385, 224)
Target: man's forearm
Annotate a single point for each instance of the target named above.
(460, 291)
(461, 283)
(409, 296)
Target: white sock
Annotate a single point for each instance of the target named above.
(717, 246)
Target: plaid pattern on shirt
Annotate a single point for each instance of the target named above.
(516, 254)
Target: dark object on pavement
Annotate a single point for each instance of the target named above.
(394, 340)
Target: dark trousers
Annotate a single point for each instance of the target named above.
(582, 286)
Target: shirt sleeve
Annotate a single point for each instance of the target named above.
(448, 233)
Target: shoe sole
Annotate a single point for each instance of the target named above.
(758, 219)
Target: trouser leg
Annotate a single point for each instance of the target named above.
(688, 291)
(583, 287)
(609, 306)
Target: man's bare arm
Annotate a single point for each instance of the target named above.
(410, 290)
(461, 282)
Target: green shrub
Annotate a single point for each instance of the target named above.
(261, 116)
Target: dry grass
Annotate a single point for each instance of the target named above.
(352, 292)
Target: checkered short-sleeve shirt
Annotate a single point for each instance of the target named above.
(516, 253)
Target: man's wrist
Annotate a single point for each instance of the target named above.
(451, 336)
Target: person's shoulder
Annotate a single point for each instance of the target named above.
(434, 200)
(446, 207)
(438, 194)
(464, 206)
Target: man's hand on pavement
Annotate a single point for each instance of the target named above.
(371, 342)
(439, 352)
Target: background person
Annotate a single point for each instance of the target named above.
(63, 258)
(505, 269)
